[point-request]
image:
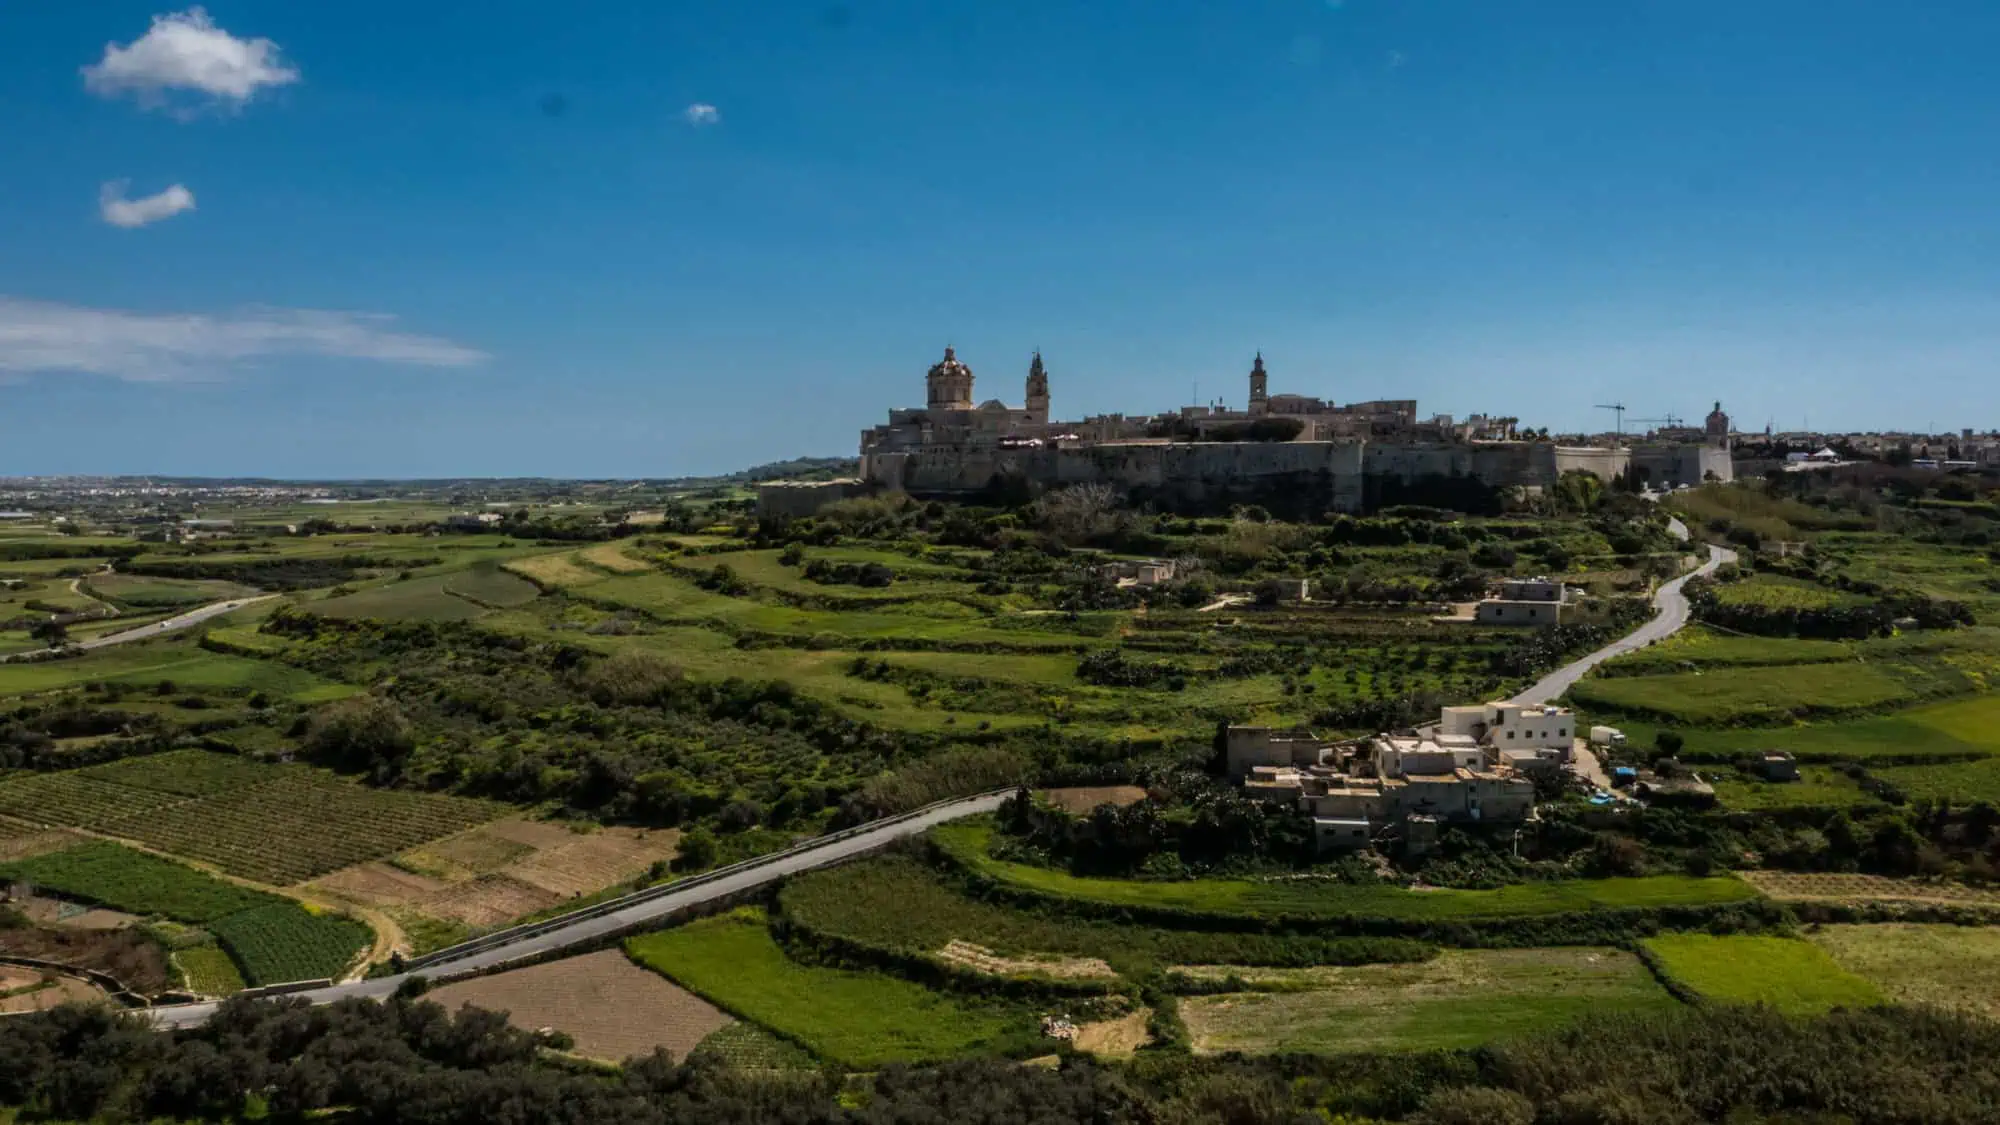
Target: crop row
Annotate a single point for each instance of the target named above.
(70, 800)
(300, 826)
(271, 939)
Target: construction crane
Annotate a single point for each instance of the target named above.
(1669, 421)
(1619, 408)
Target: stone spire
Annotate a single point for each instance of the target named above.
(1038, 390)
(1260, 394)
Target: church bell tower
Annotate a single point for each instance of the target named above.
(1038, 391)
(1260, 395)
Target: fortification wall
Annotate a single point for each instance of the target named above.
(1312, 477)
(1673, 465)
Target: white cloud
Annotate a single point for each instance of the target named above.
(39, 336)
(122, 212)
(186, 52)
(701, 113)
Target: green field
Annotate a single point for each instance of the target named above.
(896, 903)
(966, 842)
(1796, 977)
(147, 592)
(1465, 998)
(1771, 591)
(1746, 695)
(1960, 728)
(208, 970)
(1932, 965)
(859, 1019)
(283, 942)
(123, 879)
(271, 939)
(176, 661)
(416, 599)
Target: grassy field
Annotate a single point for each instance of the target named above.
(1940, 966)
(1746, 695)
(1959, 782)
(1960, 728)
(1817, 787)
(858, 1019)
(175, 661)
(1772, 591)
(145, 591)
(1464, 998)
(1796, 977)
(899, 904)
(416, 599)
(966, 842)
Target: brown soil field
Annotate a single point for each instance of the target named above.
(378, 884)
(497, 872)
(136, 962)
(489, 900)
(983, 960)
(1786, 885)
(1114, 1039)
(613, 1008)
(591, 862)
(1080, 799)
(62, 990)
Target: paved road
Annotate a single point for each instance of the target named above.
(1671, 613)
(789, 863)
(156, 629)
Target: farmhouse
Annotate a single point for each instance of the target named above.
(1535, 602)
(1476, 764)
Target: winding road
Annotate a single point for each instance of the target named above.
(1671, 614)
(643, 907)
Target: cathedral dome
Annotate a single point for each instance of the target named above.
(950, 365)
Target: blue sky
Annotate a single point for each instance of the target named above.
(490, 239)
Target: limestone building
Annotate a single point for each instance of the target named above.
(1302, 454)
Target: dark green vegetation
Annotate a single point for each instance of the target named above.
(411, 1063)
(271, 939)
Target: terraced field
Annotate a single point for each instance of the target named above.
(1463, 999)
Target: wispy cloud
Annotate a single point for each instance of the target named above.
(40, 336)
(701, 113)
(184, 52)
(122, 212)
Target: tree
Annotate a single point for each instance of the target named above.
(366, 734)
(697, 850)
(51, 632)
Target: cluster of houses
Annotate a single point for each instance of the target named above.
(1475, 764)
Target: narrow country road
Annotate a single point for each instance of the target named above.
(156, 629)
(1670, 615)
(603, 925)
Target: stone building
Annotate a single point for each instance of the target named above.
(1305, 454)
